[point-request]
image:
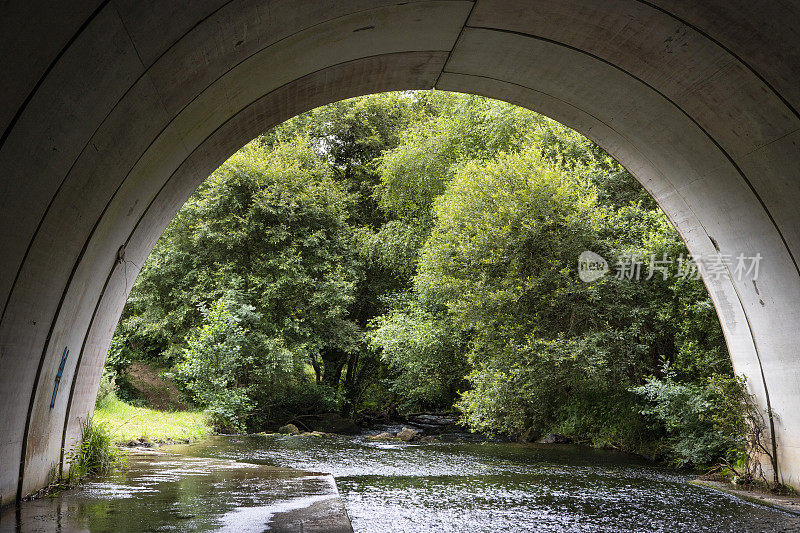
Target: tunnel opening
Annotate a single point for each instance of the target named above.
(338, 257)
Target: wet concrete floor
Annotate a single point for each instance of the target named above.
(167, 492)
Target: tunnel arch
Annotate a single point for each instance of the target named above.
(115, 110)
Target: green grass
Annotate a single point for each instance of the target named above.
(126, 422)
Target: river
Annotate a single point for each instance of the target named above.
(238, 483)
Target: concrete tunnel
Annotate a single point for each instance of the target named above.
(114, 111)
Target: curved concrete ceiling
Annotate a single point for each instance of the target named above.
(113, 112)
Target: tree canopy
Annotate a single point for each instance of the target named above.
(412, 251)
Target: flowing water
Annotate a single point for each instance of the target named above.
(394, 487)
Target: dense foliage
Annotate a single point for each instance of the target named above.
(414, 251)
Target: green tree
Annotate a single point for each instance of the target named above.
(425, 356)
(215, 367)
(271, 227)
(549, 352)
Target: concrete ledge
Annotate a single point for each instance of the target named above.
(324, 516)
(789, 504)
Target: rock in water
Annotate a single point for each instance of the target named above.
(381, 436)
(408, 434)
(289, 429)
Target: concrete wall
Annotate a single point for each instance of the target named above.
(114, 111)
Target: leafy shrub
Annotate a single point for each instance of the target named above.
(245, 380)
(213, 365)
(95, 454)
(425, 356)
(717, 423)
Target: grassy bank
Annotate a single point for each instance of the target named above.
(126, 422)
